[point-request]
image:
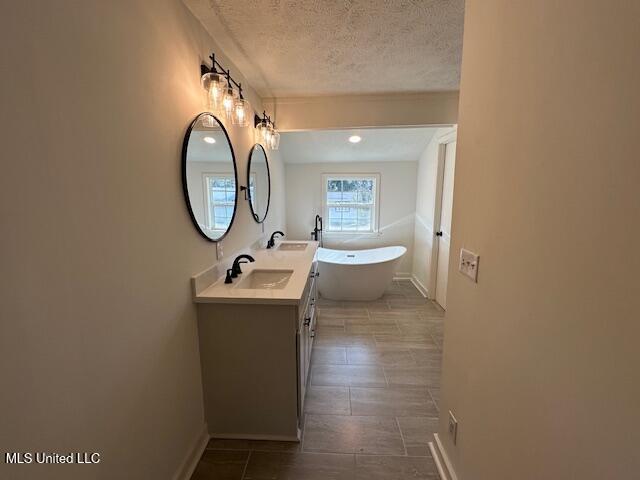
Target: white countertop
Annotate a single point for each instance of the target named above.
(298, 261)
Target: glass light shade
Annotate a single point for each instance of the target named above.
(215, 85)
(228, 101)
(267, 132)
(208, 121)
(261, 129)
(274, 142)
(241, 112)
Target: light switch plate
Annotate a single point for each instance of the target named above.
(469, 264)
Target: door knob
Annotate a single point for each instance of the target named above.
(439, 234)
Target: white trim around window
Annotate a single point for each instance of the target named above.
(369, 204)
(210, 221)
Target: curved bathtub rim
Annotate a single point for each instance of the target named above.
(404, 250)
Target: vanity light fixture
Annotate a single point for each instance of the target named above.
(267, 133)
(215, 84)
(274, 142)
(355, 138)
(209, 140)
(224, 94)
(228, 100)
(241, 112)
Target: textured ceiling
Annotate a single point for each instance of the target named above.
(323, 47)
(377, 145)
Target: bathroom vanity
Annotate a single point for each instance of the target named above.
(256, 336)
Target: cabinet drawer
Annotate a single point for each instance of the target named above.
(308, 297)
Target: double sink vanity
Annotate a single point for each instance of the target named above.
(256, 320)
(256, 336)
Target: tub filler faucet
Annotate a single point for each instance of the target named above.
(317, 232)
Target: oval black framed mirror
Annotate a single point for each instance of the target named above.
(209, 177)
(259, 182)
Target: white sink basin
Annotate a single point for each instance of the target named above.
(297, 246)
(265, 279)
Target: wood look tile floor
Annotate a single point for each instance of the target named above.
(372, 399)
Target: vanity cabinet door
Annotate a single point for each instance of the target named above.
(305, 336)
(314, 302)
(310, 326)
(302, 372)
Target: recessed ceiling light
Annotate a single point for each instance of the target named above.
(209, 139)
(355, 138)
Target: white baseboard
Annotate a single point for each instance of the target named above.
(413, 279)
(193, 456)
(439, 453)
(402, 276)
(436, 459)
(418, 284)
(254, 436)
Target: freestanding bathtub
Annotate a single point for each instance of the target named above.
(356, 274)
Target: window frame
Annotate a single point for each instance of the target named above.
(210, 220)
(207, 201)
(253, 177)
(375, 220)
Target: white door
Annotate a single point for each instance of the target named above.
(443, 235)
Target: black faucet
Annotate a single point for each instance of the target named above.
(228, 279)
(272, 242)
(235, 268)
(316, 229)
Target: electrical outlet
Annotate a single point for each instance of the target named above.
(453, 427)
(219, 251)
(469, 264)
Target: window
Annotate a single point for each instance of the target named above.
(351, 203)
(252, 189)
(220, 194)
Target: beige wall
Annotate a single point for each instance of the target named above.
(397, 205)
(98, 338)
(541, 356)
(351, 111)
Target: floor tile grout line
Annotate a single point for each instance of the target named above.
(435, 404)
(401, 386)
(415, 360)
(434, 341)
(377, 415)
(246, 465)
(404, 443)
(386, 379)
(304, 431)
(364, 454)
